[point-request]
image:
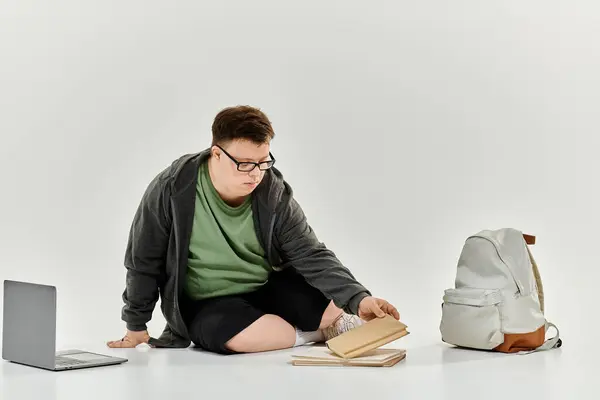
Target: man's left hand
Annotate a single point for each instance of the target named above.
(371, 307)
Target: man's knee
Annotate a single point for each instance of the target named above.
(238, 344)
(205, 333)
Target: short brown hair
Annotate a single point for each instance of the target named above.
(242, 122)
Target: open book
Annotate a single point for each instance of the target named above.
(369, 336)
(359, 346)
(325, 357)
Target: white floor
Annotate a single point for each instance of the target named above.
(430, 371)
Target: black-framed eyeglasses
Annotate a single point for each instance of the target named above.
(248, 166)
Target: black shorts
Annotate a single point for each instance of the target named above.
(213, 322)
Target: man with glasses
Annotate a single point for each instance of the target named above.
(219, 237)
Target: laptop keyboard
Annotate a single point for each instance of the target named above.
(67, 362)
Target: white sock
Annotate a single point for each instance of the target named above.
(303, 338)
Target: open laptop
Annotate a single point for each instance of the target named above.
(29, 331)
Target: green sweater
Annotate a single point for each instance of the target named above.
(225, 256)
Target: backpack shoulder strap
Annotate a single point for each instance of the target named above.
(538, 279)
(554, 341)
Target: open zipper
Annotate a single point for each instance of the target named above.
(519, 284)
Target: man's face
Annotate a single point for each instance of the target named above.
(236, 177)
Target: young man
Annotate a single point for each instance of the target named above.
(219, 236)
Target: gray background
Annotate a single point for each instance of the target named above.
(403, 127)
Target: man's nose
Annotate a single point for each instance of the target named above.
(255, 172)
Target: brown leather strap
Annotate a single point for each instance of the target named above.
(529, 239)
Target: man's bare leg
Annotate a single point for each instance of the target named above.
(271, 332)
(332, 313)
(267, 333)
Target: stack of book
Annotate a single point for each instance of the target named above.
(360, 346)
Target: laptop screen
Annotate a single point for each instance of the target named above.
(29, 324)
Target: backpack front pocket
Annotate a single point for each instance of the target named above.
(471, 318)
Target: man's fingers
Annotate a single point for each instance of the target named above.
(390, 309)
(377, 310)
(117, 344)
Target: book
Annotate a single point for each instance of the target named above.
(369, 336)
(324, 357)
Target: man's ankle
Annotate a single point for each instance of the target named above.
(303, 338)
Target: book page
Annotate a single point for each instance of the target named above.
(324, 353)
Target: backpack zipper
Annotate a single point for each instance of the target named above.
(496, 247)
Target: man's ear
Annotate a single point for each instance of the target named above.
(215, 152)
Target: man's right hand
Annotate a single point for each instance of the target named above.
(130, 340)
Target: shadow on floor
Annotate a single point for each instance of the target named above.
(439, 354)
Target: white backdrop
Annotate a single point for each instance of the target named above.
(403, 127)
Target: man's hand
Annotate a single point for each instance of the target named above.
(130, 340)
(372, 307)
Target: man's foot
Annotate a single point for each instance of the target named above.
(343, 324)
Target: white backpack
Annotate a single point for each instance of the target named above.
(498, 302)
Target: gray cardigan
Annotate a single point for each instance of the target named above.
(157, 248)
